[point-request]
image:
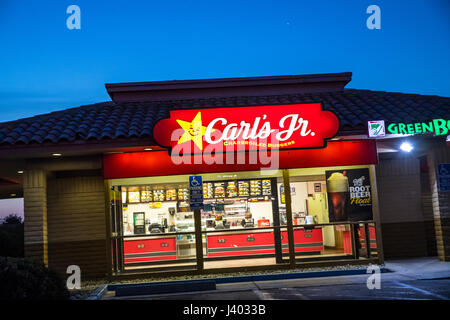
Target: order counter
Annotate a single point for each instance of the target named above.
(347, 239)
(260, 242)
(221, 244)
(155, 248)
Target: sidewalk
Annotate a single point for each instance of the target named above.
(420, 268)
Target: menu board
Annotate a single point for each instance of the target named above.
(134, 196)
(171, 194)
(211, 190)
(219, 189)
(146, 195)
(231, 189)
(208, 191)
(243, 188)
(158, 195)
(266, 187)
(255, 187)
(183, 194)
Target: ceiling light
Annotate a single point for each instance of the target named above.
(148, 149)
(56, 154)
(406, 146)
(20, 171)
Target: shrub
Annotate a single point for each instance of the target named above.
(25, 279)
(11, 236)
(12, 219)
(11, 240)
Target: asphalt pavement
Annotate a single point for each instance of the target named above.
(410, 279)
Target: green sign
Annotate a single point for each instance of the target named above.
(436, 126)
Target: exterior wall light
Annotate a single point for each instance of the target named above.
(406, 146)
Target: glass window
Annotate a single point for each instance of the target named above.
(321, 199)
(244, 220)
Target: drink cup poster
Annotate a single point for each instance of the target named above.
(349, 195)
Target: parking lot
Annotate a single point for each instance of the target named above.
(412, 279)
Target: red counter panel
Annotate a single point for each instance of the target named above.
(347, 239)
(240, 244)
(372, 237)
(304, 240)
(262, 243)
(144, 250)
(223, 245)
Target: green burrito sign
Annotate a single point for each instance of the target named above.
(436, 126)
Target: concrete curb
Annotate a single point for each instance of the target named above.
(205, 284)
(165, 287)
(98, 293)
(296, 275)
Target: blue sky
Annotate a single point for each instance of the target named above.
(46, 67)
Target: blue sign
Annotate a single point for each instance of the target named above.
(196, 192)
(443, 172)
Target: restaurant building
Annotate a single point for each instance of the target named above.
(191, 177)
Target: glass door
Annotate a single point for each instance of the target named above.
(116, 229)
(157, 225)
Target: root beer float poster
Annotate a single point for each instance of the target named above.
(349, 195)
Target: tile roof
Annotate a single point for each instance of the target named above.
(110, 120)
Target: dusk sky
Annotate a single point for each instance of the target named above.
(11, 206)
(47, 67)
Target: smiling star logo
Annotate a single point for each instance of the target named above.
(193, 131)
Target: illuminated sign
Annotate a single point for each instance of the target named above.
(377, 129)
(436, 126)
(294, 126)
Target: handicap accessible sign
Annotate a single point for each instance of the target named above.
(443, 171)
(196, 192)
